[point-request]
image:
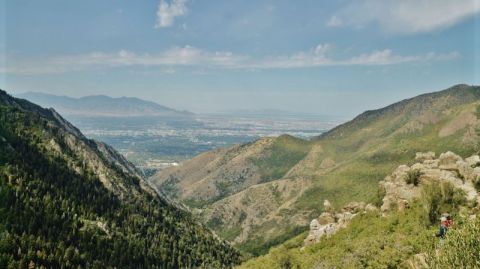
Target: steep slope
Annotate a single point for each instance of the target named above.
(102, 106)
(401, 233)
(66, 201)
(343, 165)
(214, 175)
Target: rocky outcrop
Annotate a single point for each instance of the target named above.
(406, 182)
(402, 187)
(329, 222)
(424, 156)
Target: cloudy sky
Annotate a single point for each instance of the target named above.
(340, 57)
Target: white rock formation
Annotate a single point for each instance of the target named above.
(329, 222)
(424, 156)
(449, 167)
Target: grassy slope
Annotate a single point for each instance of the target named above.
(373, 241)
(280, 157)
(362, 168)
(366, 150)
(361, 152)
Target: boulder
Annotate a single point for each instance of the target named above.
(424, 156)
(418, 166)
(370, 207)
(327, 206)
(400, 172)
(476, 174)
(329, 222)
(473, 161)
(354, 207)
(431, 163)
(448, 161)
(403, 204)
(326, 218)
(330, 230)
(465, 170)
(309, 240)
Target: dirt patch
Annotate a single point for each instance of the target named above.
(460, 122)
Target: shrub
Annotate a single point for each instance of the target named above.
(438, 198)
(460, 249)
(477, 184)
(413, 177)
(378, 200)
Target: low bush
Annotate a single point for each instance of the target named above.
(413, 177)
(460, 249)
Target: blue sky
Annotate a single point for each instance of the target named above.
(327, 57)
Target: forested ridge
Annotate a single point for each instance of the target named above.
(55, 212)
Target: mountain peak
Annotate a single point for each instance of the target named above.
(424, 103)
(103, 105)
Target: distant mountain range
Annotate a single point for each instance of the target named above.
(274, 113)
(102, 106)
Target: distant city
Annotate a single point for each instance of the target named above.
(157, 145)
(154, 137)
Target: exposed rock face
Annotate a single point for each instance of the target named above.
(329, 222)
(401, 187)
(327, 206)
(423, 156)
(449, 167)
(448, 161)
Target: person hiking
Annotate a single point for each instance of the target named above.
(443, 228)
(449, 221)
(446, 223)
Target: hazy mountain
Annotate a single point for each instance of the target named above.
(262, 193)
(101, 105)
(276, 113)
(67, 201)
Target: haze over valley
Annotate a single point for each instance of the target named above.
(154, 137)
(267, 134)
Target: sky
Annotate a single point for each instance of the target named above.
(323, 57)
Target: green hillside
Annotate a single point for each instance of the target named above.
(277, 159)
(395, 236)
(372, 241)
(367, 148)
(68, 202)
(288, 179)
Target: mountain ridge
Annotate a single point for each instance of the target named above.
(68, 201)
(103, 105)
(395, 107)
(342, 165)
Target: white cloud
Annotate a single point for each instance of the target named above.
(167, 12)
(334, 21)
(194, 57)
(408, 16)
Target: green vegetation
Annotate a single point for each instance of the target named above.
(439, 198)
(460, 249)
(366, 152)
(54, 216)
(413, 177)
(280, 157)
(346, 163)
(371, 146)
(260, 246)
(373, 241)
